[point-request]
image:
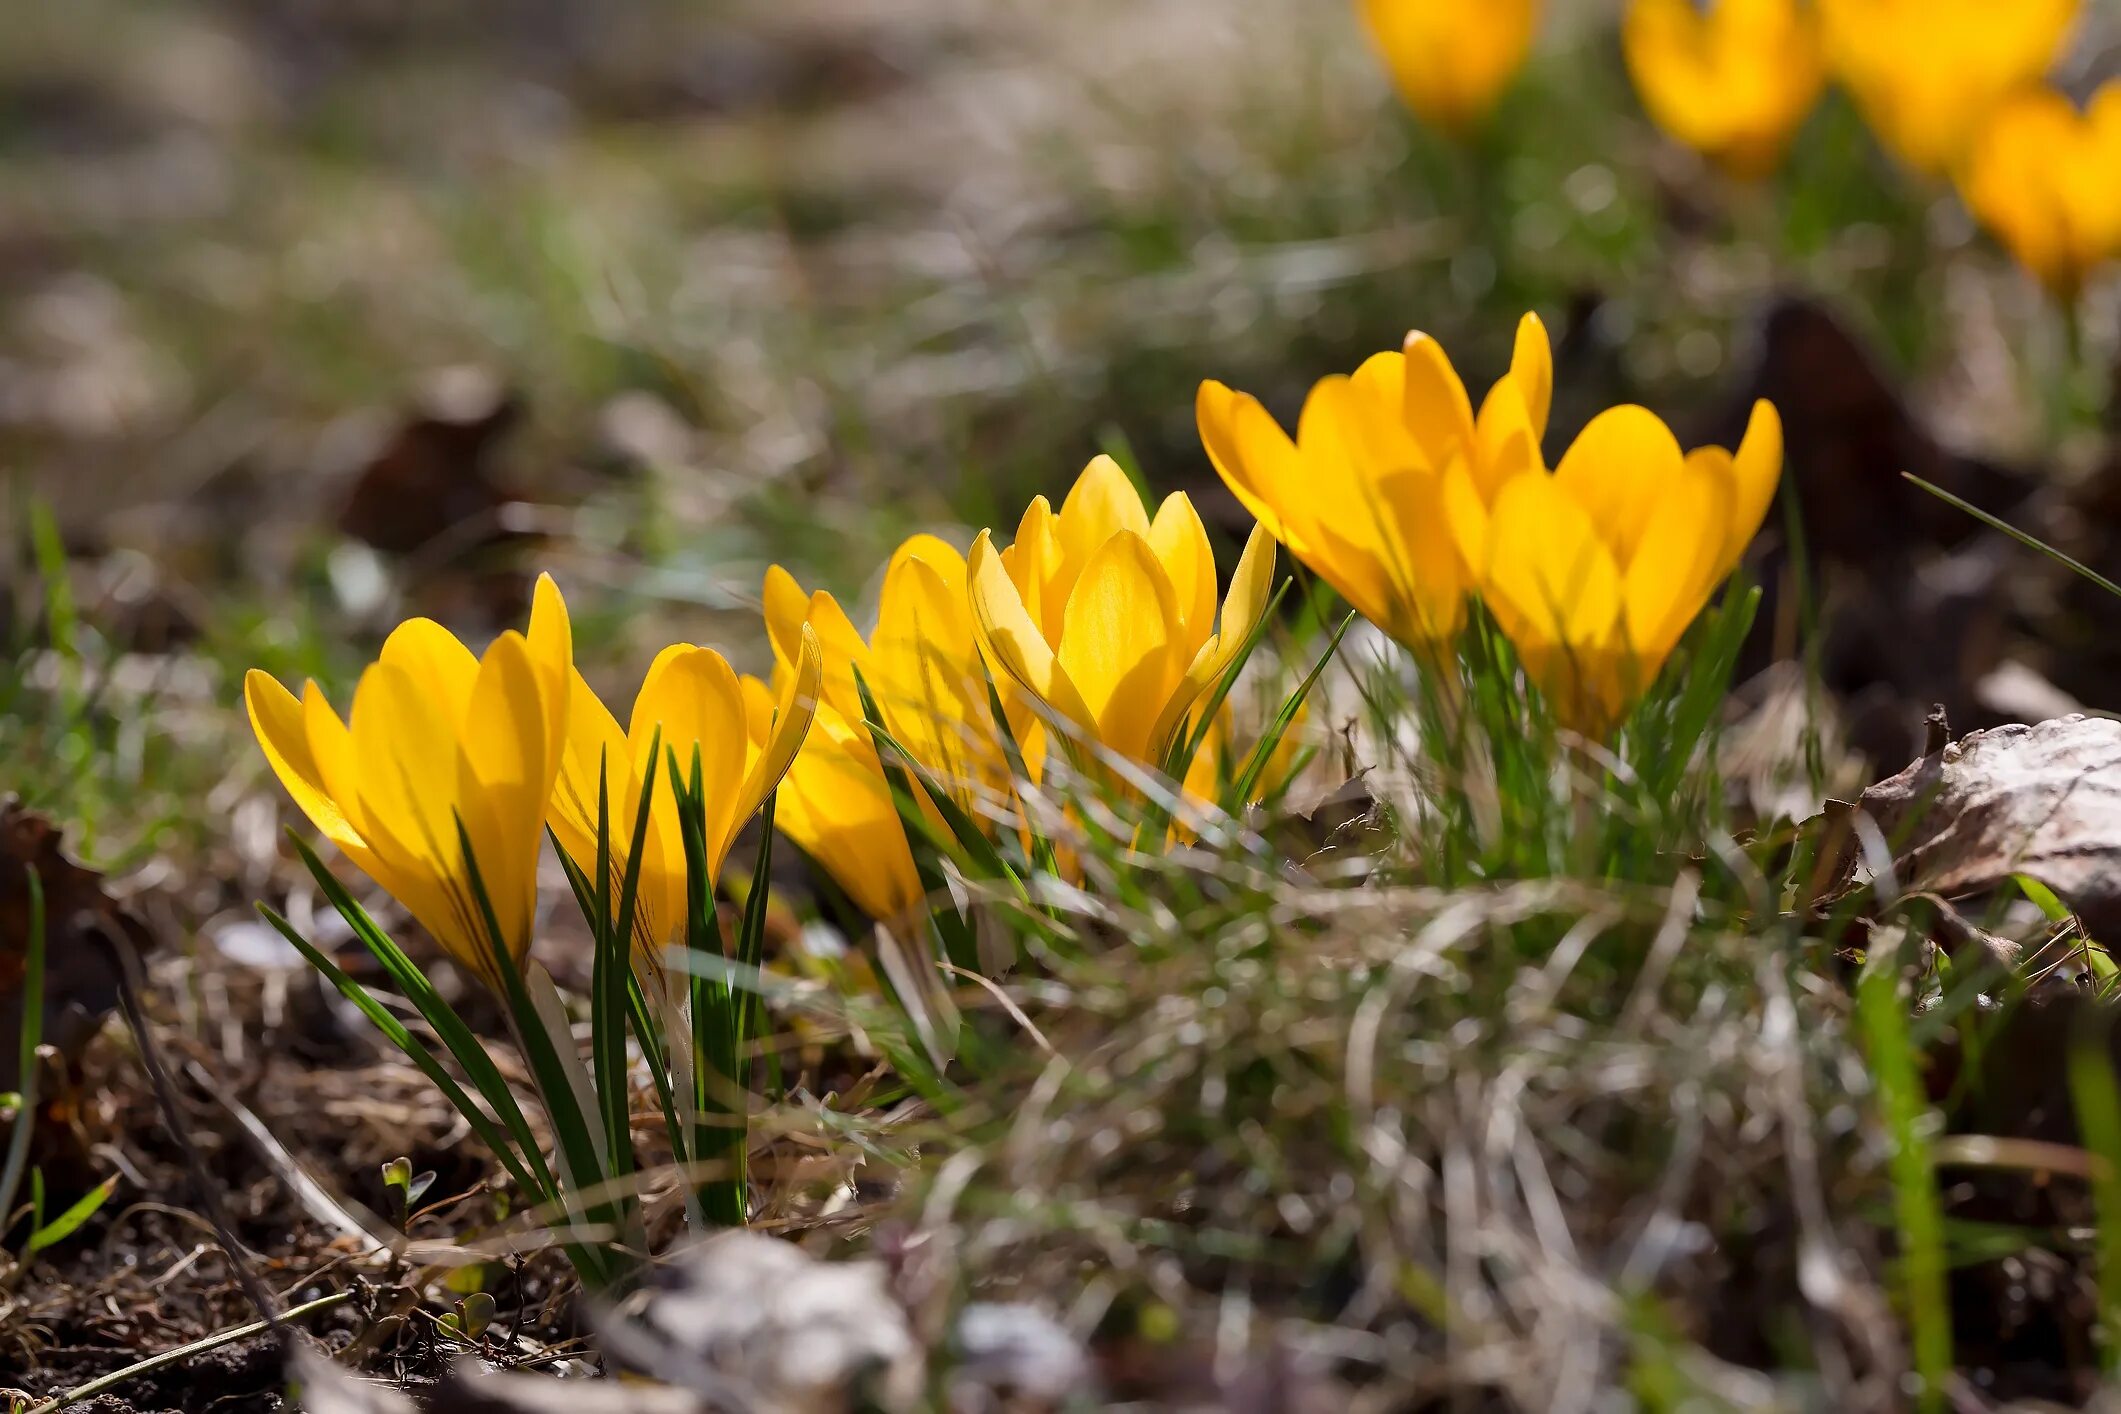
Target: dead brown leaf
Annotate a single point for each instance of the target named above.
(2044, 801)
(80, 980)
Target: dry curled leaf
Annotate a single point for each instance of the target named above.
(80, 982)
(2043, 801)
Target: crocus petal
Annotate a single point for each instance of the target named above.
(1255, 459)
(1251, 586)
(1620, 465)
(1121, 644)
(1437, 411)
(406, 747)
(443, 667)
(551, 644)
(791, 724)
(1505, 441)
(276, 718)
(1013, 643)
(1180, 543)
(692, 695)
(1102, 503)
(594, 758)
(1756, 471)
(1551, 580)
(331, 748)
(787, 607)
(502, 787)
(1678, 565)
(1532, 372)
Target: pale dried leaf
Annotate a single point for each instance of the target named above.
(2042, 800)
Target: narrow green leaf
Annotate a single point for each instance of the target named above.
(68, 1222)
(1240, 793)
(456, 1037)
(1918, 1210)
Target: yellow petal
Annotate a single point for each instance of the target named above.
(1756, 471)
(406, 747)
(1255, 459)
(694, 697)
(1532, 371)
(594, 757)
(1036, 566)
(1553, 587)
(1014, 644)
(331, 748)
(836, 805)
(1101, 504)
(1437, 411)
(551, 643)
(501, 788)
(1621, 464)
(1679, 564)
(791, 724)
(276, 718)
(1251, 586)
(1180, 543)
(787, 607)
(1122, 643)
(939, 554)
(1506, 443)
(444, 667)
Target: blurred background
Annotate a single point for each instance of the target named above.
(314, 315)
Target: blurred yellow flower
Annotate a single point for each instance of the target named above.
(1107, 618)
(440, 748)
(2047, 181)
(1360, 495)
(922, 666)
(1596, 570)
(1733, 79)
(1451, 59)
(1926, 73)
(745, 743)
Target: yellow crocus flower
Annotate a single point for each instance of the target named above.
(1596, 570)
(694, 702)
(1451, 59)
(1107, 618)
(1360, 494)
(1733, 80)
(923, 667)
(2046, 180)
(1927, 73)
(440, 747)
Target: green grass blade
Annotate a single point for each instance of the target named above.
(2096, 1097)
(456, 1037)
(1917, 1208)
(1255, 767)
(2031, 542)
(32, 1037)
(583, 1159)
(503, 1147)
(67, 1223)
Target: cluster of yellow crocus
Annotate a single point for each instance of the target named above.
(1929, 73)
(443, 751)
(1103, 626)
(2046, 179)
(1399, 495)
(1732, 79)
